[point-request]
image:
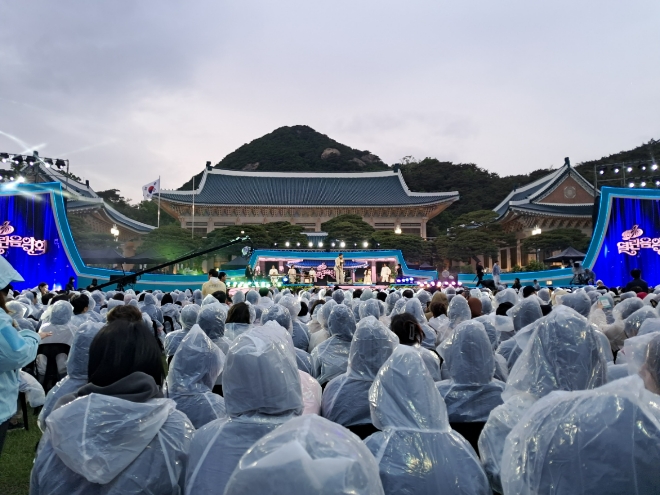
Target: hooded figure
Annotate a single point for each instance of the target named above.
(172, 311)
(151, 308)
(187, 318)
(323, 334)
(18, 311)
(76, 367)
(369, 308)
(416, 449)
(59, 323)
(414, 307)
(525, 312)
(506, 295)
(633, 323)
(99, 298)
(390, 301)
(579, 301)
(211, 319)
(367, 294)
(101, 443)
(252, 297)
(193, 371)
(564, 353)
(262, 390)
(604, 441)
(338, 296)
(300, 334)
(615, 331)
(307, 455)
(399, 306)
(233, 330)
(471, 392)
(281, 315)
(346, 397)
(239, 297)
(489, 323)
(330, 358)
(458, 311)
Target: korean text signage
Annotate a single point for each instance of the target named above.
(633, 242)
(32, 246)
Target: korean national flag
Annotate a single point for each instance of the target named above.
(150, 189)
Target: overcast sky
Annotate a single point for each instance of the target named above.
(132, 90)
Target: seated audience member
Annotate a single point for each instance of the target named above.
(330, 358)
(407, 329)
(145, 448)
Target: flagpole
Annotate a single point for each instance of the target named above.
(158, 201)
(192, 230)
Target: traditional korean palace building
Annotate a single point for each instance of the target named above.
(562, 199)
(226, 197)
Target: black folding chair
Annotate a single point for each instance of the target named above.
(52, 376)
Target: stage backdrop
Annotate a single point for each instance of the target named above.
(30, 241)
(627, 236)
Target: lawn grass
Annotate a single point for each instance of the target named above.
(17, 458)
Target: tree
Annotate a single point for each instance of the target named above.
(348, 228)
(558, 239)
(471, 243)
(413, 248)
(170, 242)
(144, 212)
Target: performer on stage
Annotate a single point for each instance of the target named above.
(312, 275)
(367, 276)
(249, 275)
(273, 273)
(339, 268)
(385, 273)
(292, 275)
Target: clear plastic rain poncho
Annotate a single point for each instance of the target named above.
(338, 296)
(471, 392)
(615, 331)
(151, 308)
(604, 441)
(18, 311)
(544, 295)
(525, 312)
(238, 297)
(282, 317)
(506, 295)
(330, 358)
(209, 299)
(367, 294)
(458, 311)
(633, 323)
(323, 313)
(346, 397)
(211, 319)
(423, 296)
(369, 308)
(76, 369)
(172, 311)
(193, 371)
(187, 319)
(307, 455)
(262, 390)
(391, 300)
(414, 307)
(649, 326)
(416, 449)
(486, 304)
(300, 333)
(564, 353)
(30, 386)
(92, 309)
(579, 301)
(399, 306)
(104, 444)
(252, 297)
(59, 323)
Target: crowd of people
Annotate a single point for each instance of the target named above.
(361, 391)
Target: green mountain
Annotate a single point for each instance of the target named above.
(297, 149)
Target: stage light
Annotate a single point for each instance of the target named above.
(332, 244)
(17, 159)
(297, 244)
(601, 171)
(60, 163)
(365, 244)
(654, 167)
(629, 169)
(616, 170)
(274, 244)
(20, 179)
(48, 162)
(643, 184)
(657, 182)
(460, 283)
(632, 184)
(320, 244)
(342, 244)
(311, 244)
(642, 167)
(287, 244)
(285, 280)
(397, 230)
(4, 157)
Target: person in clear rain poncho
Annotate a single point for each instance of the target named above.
(346, 397)
(604, 441)
(192, 374)
(300, 334)
(240, 318)
(304, 456)
(579, 301)
(324, 333)
(417, 451)
(471, 392)
(330, 358)
(116, 434)
(525, 313)
(239, 296)
(615, 330)
(262, 390)
(490, 323)
(18, 311)
(458, 311)
(414, 307)
(187, 318)
(151, 308)
(390, 301)
(281, 315)
(563, 353)
(211, 319)
(59, 323)
(76, 368)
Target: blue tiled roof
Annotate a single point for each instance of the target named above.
(252, 188)
(569, 210)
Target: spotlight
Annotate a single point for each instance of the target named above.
(616, 170)
(60, 163)
(342, 244)
(285, 280)
(654, 167)
(365, 244)
(274, 244)
(17, 159)
(320, 244)
(31, 160)
(287, 244)
(332, 244)
(642, 167)
(631, 184)
(601, 171)
(297, 244)
(4, 157)
(20, 179)
(48, 162)
(311, 244)
(657, 182)
(643, 184)
(629, 169)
